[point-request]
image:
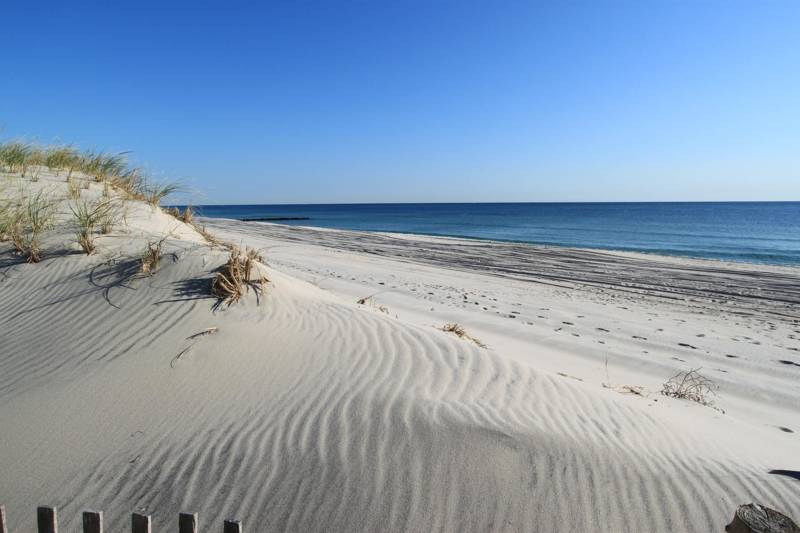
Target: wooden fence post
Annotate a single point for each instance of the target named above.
(47, 520)
(3, 525)
(232, 526)
(140, 523)
(93, 522)
(187, 523)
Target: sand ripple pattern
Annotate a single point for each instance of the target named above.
(309, 414)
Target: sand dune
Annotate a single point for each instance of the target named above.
(309, 412)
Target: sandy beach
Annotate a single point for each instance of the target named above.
(306, 410)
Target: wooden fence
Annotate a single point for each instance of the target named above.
(47, 522)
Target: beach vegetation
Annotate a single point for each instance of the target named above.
(210, 239)
(15, 155)
(59, 158)
(238, 276)
(73, 189)
(29, 223)
(459, 331)
(692, 386)
(154, 193)
(89, 217)
(370, 301)
(150, 260)
(187, 216)
(113, 168)
(7, 213)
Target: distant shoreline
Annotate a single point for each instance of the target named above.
(753, 232)
(272, 219)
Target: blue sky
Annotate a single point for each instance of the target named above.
(307, 102)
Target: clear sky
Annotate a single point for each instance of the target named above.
(308, 102)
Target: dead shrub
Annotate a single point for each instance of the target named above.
(692, 386)
(237, 276)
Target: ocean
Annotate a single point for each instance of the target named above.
(761, 232)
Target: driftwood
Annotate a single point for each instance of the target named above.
(755, 518)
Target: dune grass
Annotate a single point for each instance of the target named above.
(23, 222)
(236, 277)
(154, 193)
(6, 217)
(90, 217)
(15, 155)
(73, 189)
(187, 217)
(60, 158)
(19, 156)
(28, 223)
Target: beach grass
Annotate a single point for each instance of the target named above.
(236, 276)
(30, 222)
(23, 157)
(90, 216)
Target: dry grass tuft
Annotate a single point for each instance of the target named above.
(236, 277)
(691, 386)
(461, 333)
(73, 189)
(370, 301)
(150, 260)
(636, 390)
(210, 239)
(187, 216)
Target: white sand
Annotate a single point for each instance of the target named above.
(310, 412)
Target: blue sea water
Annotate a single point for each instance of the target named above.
(763, 232)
